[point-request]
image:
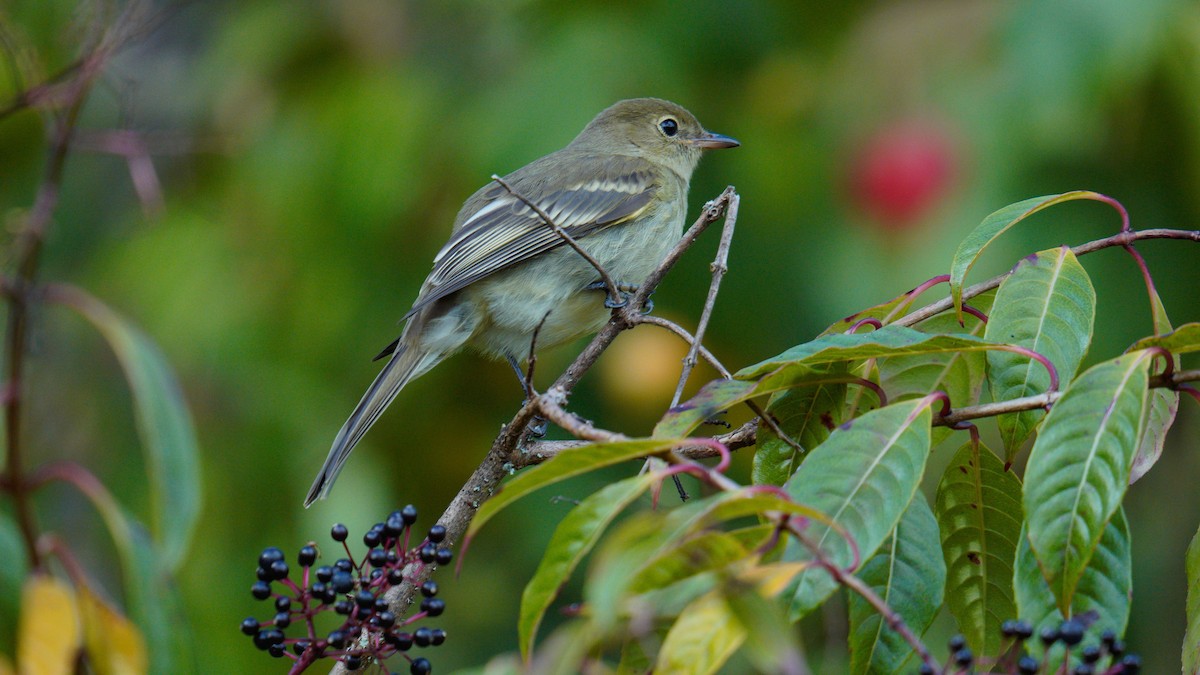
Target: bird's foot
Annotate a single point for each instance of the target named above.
(626, 290)
(537, 427)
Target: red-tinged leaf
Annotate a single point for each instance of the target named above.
(574, 537)
(1047, 305)
(995, 224)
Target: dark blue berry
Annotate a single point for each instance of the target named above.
(1090, 653)
(262, 640)
(444, 556)
(1008, 628)
(409, 514)
(283, 620)
(1084, 669)
(433, 606)
(268, 556)
(1131, 664)
(276, 650)
(343, 565)
(261, 590)
(438, 637)
(926, 669)
(385, 619)
(1108, 638)
(337, 639)
(279, 569)
(352, 661)
(250, 625)
(343, 607)
(956, 643)
(381, 605)
(339, 532)
(1117, 648)
(403, 641)
(964, 657)
(365, 599)
(420, 666)
(263, 574)
(283, 603)
(372, 538)
(317, 589)
(395, 577)
(1071, 632)
(1028, 665)
(299, 646)
(377, 557)
(307, 556)
(342, 582)
(423, 636)
(429, 589)
(394, 526)
(427, 553)
(1024, 630)
(1049, 635)
(437, 534)
(324, 573)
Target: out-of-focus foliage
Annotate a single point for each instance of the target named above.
(312, 156)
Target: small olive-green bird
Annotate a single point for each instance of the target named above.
(619, 189)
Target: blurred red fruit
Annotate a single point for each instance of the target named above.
(901, 172)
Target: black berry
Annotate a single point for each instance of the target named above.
(429, 589)
(1131, 664)
(372, 538)
(283, 603)
(964, 658)
(433, 606)
(324, 573)
(365, 599)
(250, 625)
(268, 556)
(423, 636)
(283, 620)
(402, 641)
(427, 553)
(339, 532)
(377, 557)
(342, 582)
(386, 619)
(395, 577)
(1090, 653)
(444, 556)
(276, 650)
(420, 666)
(409, 514)
(337, 639)
(438, 637)
(1049, 635)
(1028, 665)
(352, 661)
(394, 526)
(1071, 632)
(279, 569)
(307, 556)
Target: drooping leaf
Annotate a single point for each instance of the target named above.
(891, 340)
(909, 575)
(885, 313)
(1191, 639)
(700, 553)
(979, 510)
(1182, 340)
(992, 227)
(574, 537)
(163, 421)
(807, 415)
(114, 645)
(1079, 467)
(564, 465)
(1046, 305)
(863, 478)
(1160, 409)
(1104, 590)
(48, 636)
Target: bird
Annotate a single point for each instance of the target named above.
(619, 189)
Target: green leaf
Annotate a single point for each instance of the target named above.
(863, 477)
(1182, 340)
(909, 575)
(885, 313)
(979, 510)
(992, 227)
(1105, 587)
(1162, 407)
(1080, 465)
(163, 421)
(891, 340)
(807, 415)
(1191, 639)
(958, 373)
(574, 537)
(771, 643)
(1046, 305)
(721, 395)
(564, 465)
(703, 637)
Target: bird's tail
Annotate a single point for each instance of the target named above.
(405, 365)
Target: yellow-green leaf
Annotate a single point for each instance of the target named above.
(114, 645)
(48, 638)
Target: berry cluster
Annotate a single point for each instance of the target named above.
(354, 590)
(1091, 659)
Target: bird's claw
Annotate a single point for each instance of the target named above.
(537, 427)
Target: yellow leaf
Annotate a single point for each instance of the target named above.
(702, 639)
(48, 637)
(773, 577)
(114, 645)
(6, 667)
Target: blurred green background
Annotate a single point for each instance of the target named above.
(316, 153)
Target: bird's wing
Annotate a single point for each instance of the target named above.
(503, 231)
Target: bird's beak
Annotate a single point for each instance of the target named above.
(711, 141)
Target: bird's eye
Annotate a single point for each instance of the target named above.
(669, 126)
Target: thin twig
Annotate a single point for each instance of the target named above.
(719, 268)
